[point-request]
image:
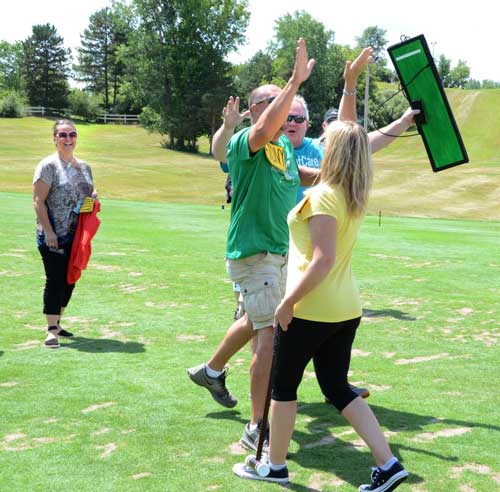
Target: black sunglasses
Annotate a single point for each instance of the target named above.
(295, 117)
(269, 100)
(64, 134)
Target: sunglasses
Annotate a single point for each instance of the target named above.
(295, 117)
(64, 134)
(269, 100)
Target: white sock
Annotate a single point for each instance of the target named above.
(252, 427)
(211, 373)
(277, 467)
(389, 463)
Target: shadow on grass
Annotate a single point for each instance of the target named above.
(227, 415)
(1, 353)
(387, 313)
(343, 459)
(96, 345)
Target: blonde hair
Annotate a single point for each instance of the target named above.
(347, 163)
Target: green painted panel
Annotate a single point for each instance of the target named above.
(421, 83)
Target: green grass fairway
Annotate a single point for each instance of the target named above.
(113, 411)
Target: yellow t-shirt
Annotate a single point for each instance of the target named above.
(336, 298)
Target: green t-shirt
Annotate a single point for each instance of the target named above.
(264, 190)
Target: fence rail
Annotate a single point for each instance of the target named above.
(104, 117)
(124, 118)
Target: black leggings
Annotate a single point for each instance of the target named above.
(329, 345)
(57, 292)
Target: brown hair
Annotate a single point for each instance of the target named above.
(62, 122)
(347, 163)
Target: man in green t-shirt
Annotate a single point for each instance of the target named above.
(265, 179)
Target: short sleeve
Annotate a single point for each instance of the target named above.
(320, 200)
(237, 148)
(45, 172)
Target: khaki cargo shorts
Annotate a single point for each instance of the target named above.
(262, 282)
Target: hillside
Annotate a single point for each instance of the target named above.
(129, 163)
(406, 185)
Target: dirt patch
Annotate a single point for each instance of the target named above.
(138, 476)
(10, 273)
(135, 274)
(28, 345)
(431, 436)
(360, 353)
(190, 338)
(465, 311)
(130, 289)
(215, 459)
(105, 268)
(417, 360)
(237, 449)
(108, 449)
(14, 437)
(8, 384)
(318, 481)
(98, 406)
(100, 432)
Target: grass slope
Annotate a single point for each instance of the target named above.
(113, 409)
(129, 163)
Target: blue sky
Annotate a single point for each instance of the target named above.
(468, 33)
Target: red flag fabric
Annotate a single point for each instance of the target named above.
(88, 223)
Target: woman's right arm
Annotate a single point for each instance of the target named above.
(323, 230)
(40, 193)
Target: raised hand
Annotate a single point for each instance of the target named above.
(303, 65)
(354, 69)
(231, 113)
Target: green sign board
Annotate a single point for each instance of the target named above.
(423, 88)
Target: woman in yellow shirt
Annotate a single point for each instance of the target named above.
(321, 310)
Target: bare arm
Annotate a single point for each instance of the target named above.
(272, 119)
(323, 230)
(352, 71)
(232, 118)
(40, 193)
(309, 176)
(380, 140)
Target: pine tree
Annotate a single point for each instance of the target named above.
(46, 67)
(99, 65)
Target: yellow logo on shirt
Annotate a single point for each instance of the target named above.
(276, 156)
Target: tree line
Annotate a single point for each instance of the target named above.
(167, 61)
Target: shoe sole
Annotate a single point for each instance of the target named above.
(243, 471)
(394, 482)
(225, 405)
(52, 346)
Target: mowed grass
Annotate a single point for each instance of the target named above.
(113, 409)
(130, 164)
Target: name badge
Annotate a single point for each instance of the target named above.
(276, 156)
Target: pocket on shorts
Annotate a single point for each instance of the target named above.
(260, 300)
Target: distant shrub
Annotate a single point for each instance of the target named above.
(12, 105)
(84, 105)
(150, 119)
